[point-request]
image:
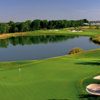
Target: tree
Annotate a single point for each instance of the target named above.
(44, 24)
(13, 28)
(28, 25)
(35, 25)
(51, 24)
(4, 28)
(21, 27)
(85, 21)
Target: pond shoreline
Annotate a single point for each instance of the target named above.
(86, 32)
(64, 66)
(41, 47)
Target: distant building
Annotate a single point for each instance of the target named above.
(85, 24)
(95, 22)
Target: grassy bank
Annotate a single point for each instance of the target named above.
(96, 39)
(48, 79)
(86, 32)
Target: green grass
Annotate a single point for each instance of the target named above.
(48, 79)
(86, 32)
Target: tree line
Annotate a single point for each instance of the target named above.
(12, 27)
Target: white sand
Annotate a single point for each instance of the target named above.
(93, 89)
(97, 77)
(75, 31)
(54, 30)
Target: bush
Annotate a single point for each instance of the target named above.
(75, 50)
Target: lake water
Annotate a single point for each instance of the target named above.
(40, 47)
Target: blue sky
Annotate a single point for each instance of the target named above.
(21, 10)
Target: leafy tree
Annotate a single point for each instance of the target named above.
(4, 28)
(85, 21)
(35, 25)
(28, 25)
(44, 24)
(13, 28)
(51, 25)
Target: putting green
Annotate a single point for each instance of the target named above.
(55, 78)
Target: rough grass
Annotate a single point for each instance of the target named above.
(76, 50)
(48, 79)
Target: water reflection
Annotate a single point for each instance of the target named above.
(40, 47)
(29, 40)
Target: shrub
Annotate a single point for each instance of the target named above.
(75, 50)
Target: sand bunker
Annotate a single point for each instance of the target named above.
(97, 77)
(75, 30)
(54, 30)
(93, 89)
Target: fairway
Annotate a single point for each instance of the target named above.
(55, 78)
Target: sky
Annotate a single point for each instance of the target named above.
(22, 10)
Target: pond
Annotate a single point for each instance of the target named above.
(40, 47)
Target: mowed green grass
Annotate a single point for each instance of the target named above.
(49, 79)
(86, 32)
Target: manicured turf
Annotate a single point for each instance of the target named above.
(49, 79)
(56, 78)
(86, 32)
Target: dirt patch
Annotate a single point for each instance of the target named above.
(3, 36)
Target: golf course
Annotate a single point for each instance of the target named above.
(58, 78)
(48, 79)
(49, 50)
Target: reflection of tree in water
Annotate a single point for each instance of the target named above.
(29, 40)
(4, 43)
